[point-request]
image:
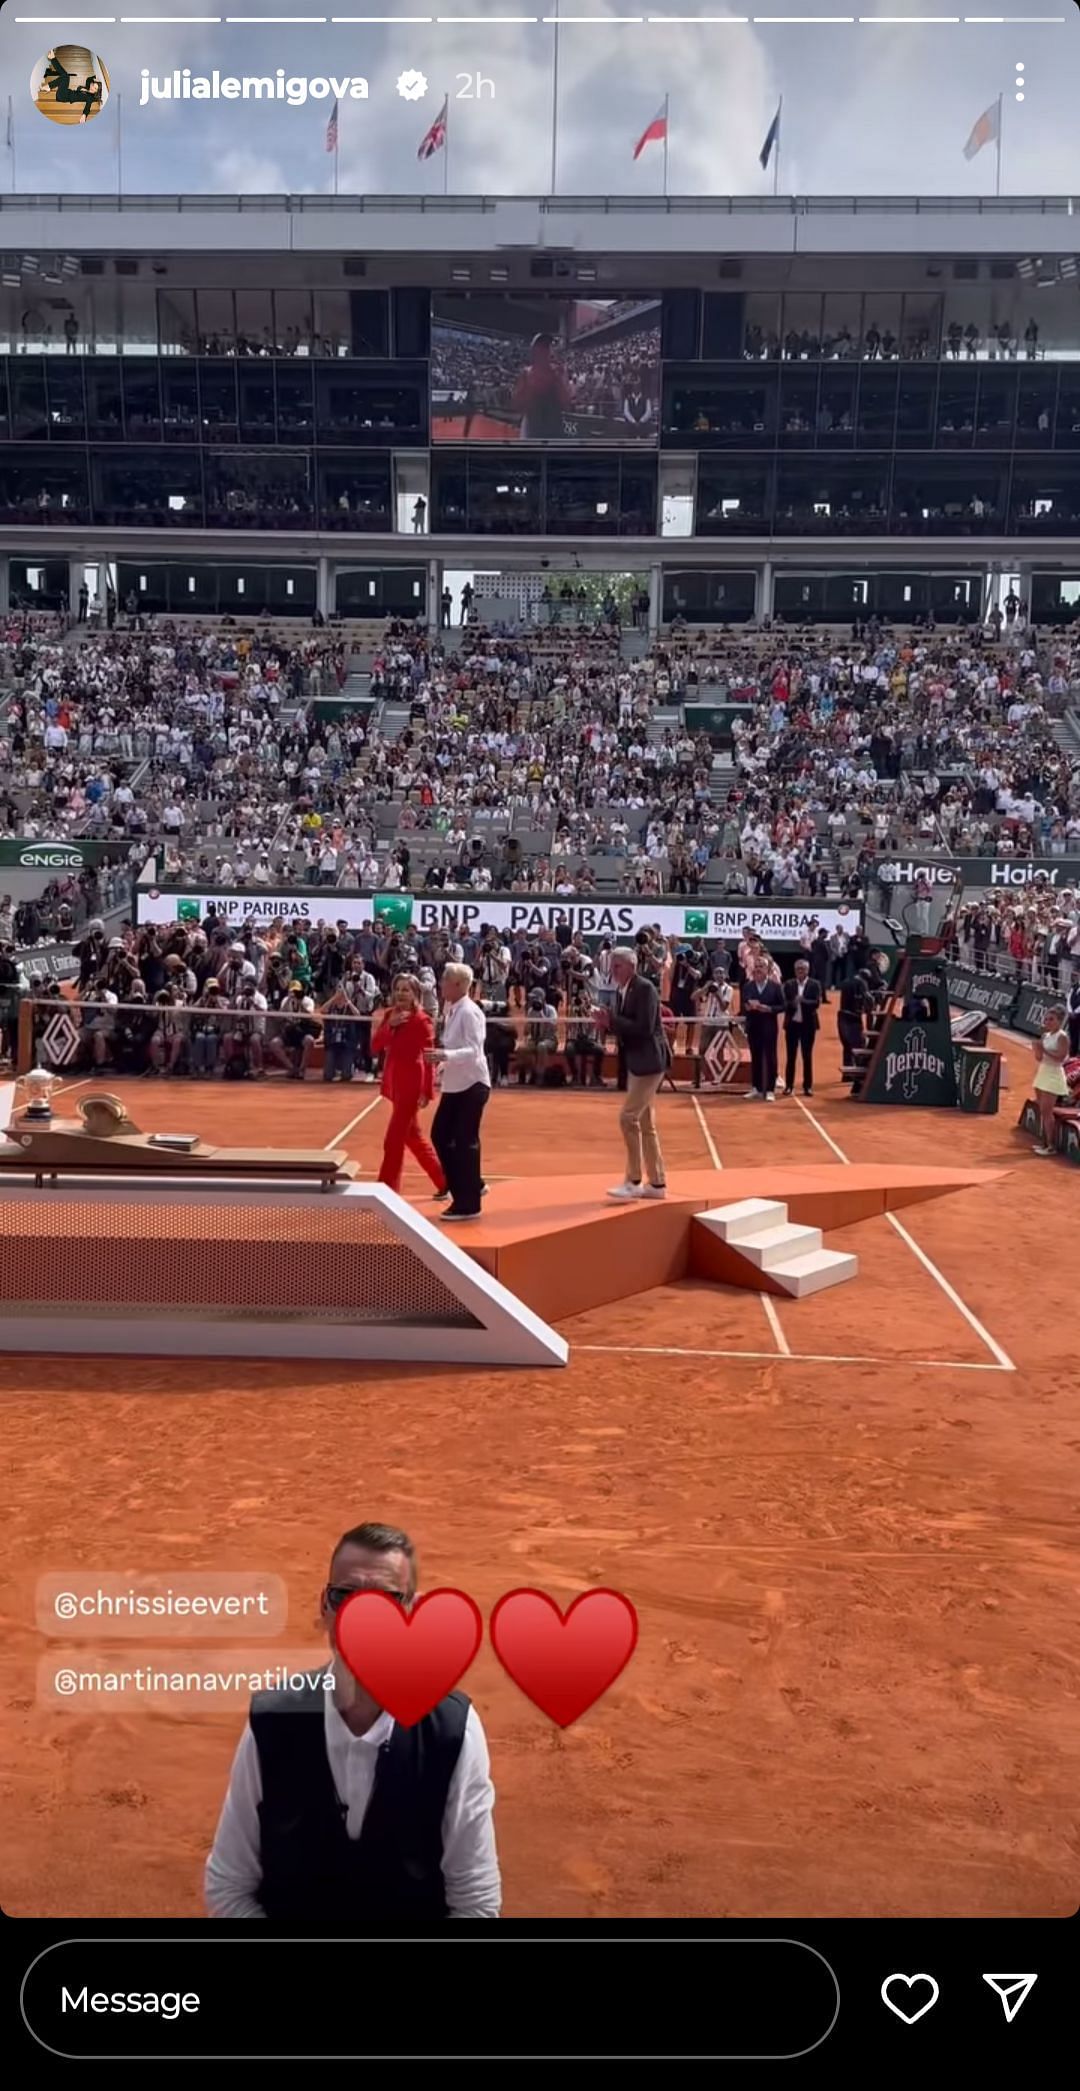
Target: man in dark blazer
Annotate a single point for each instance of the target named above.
(1073, 1013)
(643, 1051)
(802, 1002)
(762, 1008)
(821, 962)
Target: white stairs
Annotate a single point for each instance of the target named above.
(760, 1231)
(721, 777)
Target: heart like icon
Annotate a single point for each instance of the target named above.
(564, 1662)
(906, 2012)
(408, 1661)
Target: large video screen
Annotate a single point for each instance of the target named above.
(544, 370)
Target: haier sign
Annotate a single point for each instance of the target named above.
(993, 872)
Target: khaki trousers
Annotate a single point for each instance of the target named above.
(638, 1125)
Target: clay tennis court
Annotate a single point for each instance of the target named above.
(849, 1525)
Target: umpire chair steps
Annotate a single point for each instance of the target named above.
(778, 1256)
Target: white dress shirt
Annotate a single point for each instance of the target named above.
(470, 1864)
(463, 1036)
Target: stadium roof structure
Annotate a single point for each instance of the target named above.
(681, 238)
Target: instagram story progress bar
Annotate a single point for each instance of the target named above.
(560, 21)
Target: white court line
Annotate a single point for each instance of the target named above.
(771, 1315)
(790, 1357)
(773, 1319)
(709, 1141)
(1005, 1363)
(360, 1116)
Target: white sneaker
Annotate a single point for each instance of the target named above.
(654, 1190)
(753, 1096)
(624, 1192)
(1042, 1150)
(770, 1096)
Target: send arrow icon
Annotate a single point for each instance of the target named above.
(1012, 1989)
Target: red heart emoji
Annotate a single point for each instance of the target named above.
(564, 1662)
(408, 1661)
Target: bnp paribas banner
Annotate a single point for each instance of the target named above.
(778, 923)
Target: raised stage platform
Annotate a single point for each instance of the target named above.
(562, 1246)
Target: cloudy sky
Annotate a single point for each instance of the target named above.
(868, 107)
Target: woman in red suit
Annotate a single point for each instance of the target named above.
(404, 1034)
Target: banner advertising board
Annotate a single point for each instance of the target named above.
(56, 858)
(1031, 1009)
(1000, 874)
(986, 991)
(780, 924)
(916, 1068)
(715, 719)
(978, 1078)
(48, 962)
(1068, 1140)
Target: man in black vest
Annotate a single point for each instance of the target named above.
(762, 1006)
(335, 1813)
(855, 1005)
(802, 1001)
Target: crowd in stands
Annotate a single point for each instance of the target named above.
(214, 750)
(134, 735)
(1001, 343)
(36, 335)
(920, 742)
(1032, 936)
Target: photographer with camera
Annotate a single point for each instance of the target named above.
(243, 1050)
(584, 1038)
(539, 1038)
(207, 1029)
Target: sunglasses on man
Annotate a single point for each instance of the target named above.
(335, 1594)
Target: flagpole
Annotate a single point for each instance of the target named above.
(119, 144)
(667, 128)
(555, 102)
(337, 134)
(779, 137)
(11, 142)
(446, 149)
(1001, 114)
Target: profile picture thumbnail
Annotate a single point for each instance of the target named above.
(70, 84)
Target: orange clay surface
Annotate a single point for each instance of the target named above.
(851, 1533)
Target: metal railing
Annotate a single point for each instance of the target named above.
(443, 206)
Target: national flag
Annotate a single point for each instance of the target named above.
(433, 141)
(772, 137)
(985, 132)
(332, 130)
(654, 133)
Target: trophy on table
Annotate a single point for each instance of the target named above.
(39, 1085)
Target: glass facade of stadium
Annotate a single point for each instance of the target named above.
(858, 406)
